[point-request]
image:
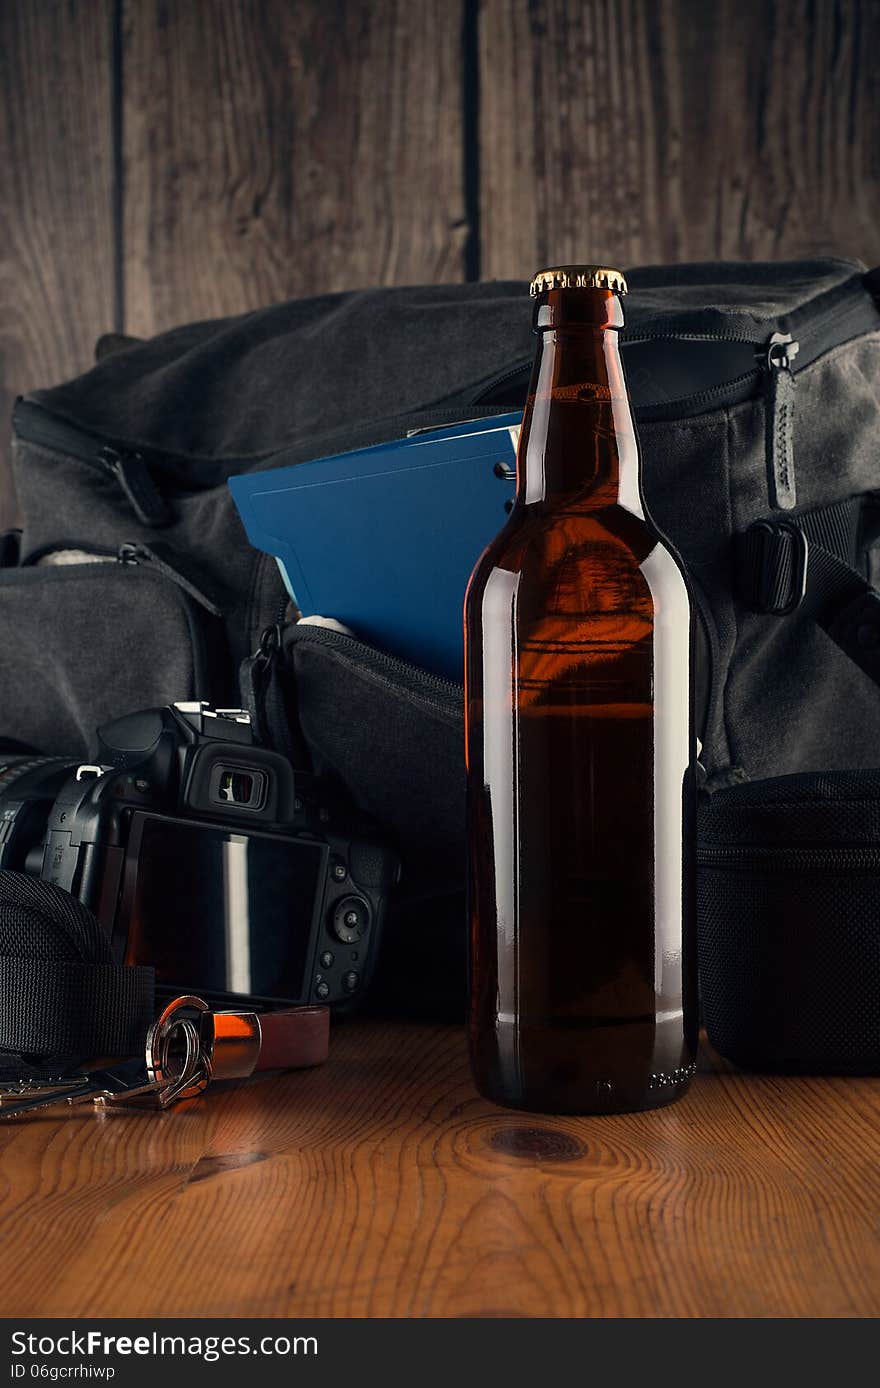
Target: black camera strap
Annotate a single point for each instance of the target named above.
(62, 998)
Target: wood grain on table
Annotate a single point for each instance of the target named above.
(381, 1185)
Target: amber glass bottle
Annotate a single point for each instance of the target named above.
(579, 748)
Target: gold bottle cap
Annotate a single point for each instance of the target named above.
(578, 277)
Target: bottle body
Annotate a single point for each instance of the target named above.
(579, 755)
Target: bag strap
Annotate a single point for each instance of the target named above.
(62, 998)
(809, 563)
(268, 695)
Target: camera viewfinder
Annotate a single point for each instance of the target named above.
(233, 785)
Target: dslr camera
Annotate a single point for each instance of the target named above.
(206, 856)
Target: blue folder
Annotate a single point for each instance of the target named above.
(384, 539)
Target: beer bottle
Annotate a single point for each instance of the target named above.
(579, 748)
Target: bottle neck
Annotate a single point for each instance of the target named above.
(578, 444)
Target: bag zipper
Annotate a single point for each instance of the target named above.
(417, 681)
(749, 856)
(775, 366)
(128, 557)
(129, 554)
(128, 467)
(779, 420)
(778, 359)
(273, 720)
(130, 471)
(847, 313)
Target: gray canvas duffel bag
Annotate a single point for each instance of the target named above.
(757, 397)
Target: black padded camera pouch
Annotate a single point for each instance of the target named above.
(789, 922)
(62, 998)
(757, 397)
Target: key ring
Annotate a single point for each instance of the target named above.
(186, 1047)
(172, 1079)
(225, 1045)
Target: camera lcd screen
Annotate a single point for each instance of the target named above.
(220, 912)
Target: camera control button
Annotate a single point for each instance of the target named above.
(350, 981)
(327, 959)
(338, 870)
(322, 991)
(350, 920)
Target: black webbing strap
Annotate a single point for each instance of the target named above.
(62, 999)
(63, 1008)
(810, 562)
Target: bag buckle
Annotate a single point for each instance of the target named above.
(771, 567)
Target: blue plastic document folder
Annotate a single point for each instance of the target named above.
(384, 539)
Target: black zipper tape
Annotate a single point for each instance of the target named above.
(36, 424)
(129, 469)
(146, 554)
(819, 857)
(827, 322)
(184, 592)
(407, 676)
(844, 313)
(849, 313)
(133, 554)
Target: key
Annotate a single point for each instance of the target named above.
(95, 1085)
(165, 1075)
(187, 1046)
(24, 1095)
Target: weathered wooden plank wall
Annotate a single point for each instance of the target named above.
(57, 241)
(649, 131)
(174, 159)
(273, 149)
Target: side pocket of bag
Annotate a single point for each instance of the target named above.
(394, 735)
(90, 641)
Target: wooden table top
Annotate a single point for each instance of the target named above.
(381, 1185)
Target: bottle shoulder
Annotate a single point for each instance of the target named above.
(533, 533)
(597, 562)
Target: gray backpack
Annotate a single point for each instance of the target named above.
(757, 398)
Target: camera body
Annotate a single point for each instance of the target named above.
(206, 856)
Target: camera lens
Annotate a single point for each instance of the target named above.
(350, 920)
(28, 786)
